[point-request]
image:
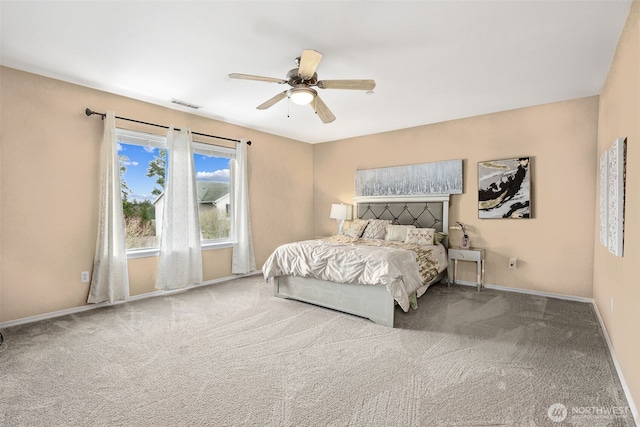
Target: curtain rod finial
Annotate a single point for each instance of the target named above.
(248, 142)
(89, 112)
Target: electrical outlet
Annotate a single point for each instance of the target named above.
(512, 263)
(612, 304)
(84, 277)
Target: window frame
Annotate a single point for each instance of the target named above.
(230, 153)
(132, 137)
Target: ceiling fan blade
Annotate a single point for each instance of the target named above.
(258, 78)
(322, 110)
(272, 101)
(347, 84)
(309, 62)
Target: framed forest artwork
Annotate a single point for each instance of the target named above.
(504, 188)
(412, 180)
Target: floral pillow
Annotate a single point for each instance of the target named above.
(356, 228)
(397, 232)
(420, 236)
(376, 229)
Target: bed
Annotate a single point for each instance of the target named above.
(365, 275)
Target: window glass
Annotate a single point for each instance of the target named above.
(143, 158)
(142, 177)
(213, 185)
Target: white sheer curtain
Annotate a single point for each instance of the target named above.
(180, 262)
(243, 260)
(110, 279)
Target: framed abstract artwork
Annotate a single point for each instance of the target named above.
(504, 188)
(612, 196)
(422, 179)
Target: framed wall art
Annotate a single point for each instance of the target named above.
(504, 188)
(422, 179)
(612, 196)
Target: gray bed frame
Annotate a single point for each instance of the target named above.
(372, 302)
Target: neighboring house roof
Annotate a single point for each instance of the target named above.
(211, 191)
(208, 191)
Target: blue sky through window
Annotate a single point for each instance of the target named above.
(137, 160)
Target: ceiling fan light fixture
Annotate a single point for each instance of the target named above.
(301, 95)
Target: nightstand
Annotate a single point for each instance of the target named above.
(471, 254)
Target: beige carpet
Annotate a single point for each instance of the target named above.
(231, 354)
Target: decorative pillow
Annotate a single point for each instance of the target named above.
(420, 236)
(376, 229)
(356, 228)
(397, 232)
(438, 237)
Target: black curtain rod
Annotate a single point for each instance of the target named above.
(90, 112)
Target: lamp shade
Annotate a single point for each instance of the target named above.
(340, 211)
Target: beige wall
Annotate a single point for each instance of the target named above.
(49, 162)
(555, 248)
(617, 278)
(49, 176)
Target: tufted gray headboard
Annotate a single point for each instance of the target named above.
(421, 211)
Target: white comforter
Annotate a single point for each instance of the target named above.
(342, 260)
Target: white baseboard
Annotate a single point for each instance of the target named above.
(623, 382)
(88, 307)
(527, 291)
(625, 387)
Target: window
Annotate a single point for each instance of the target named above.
(214, 187)
(143, 158)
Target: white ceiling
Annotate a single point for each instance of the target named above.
(432, 60)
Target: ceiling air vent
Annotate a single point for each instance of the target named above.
(185, 104)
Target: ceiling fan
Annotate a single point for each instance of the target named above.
(302, 79)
